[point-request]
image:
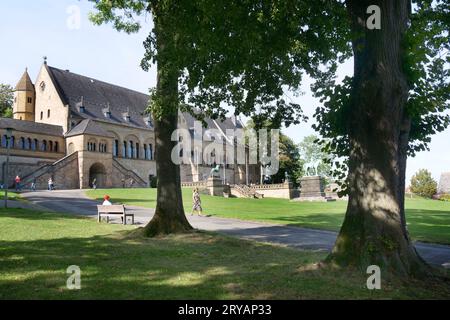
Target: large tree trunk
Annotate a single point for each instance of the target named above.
(169, 216)
(374, 230)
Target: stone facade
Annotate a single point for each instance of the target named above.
(75, 130)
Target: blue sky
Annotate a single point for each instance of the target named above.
(30, 30)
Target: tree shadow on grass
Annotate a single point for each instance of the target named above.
(194, 266)
(37, 215)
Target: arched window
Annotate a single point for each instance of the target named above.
(34, 145)
(44, 145)
(116, 148)
(42, 115)
(28, 144)
(56, 146)
(12, 142)
(4, 141)
(150, 152)
(50, 146)
(48, 113)
(22, 143)
(145, 152)
(131, 150)
(124, 150)
(138, 153)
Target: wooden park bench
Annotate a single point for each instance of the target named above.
(114, 210)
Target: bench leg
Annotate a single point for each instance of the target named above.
(99, 218)
(124, 218)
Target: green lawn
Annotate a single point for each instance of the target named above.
(36, 249)
(11, 196)
(428, 220)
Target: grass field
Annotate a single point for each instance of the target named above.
(428, 220)
(37, 248)
(11, 196)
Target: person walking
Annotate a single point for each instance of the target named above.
(33, 185)
(197, 207)
(94, 184)
(51, 185)
(17, 181)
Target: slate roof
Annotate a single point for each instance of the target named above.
(88, 126)
(25, 83)
(97, 97)
(31, 126)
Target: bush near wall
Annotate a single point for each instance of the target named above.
(444, 197)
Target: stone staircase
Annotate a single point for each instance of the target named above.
(48, 169)
(129, 173)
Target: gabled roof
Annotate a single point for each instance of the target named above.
(96, 96)
(25, 83)
(89, 127)
(31, 126)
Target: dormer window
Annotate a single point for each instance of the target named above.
(127, 116)
(148, 122)
(81, 106)
(107, 112)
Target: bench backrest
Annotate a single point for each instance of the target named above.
(111, 209)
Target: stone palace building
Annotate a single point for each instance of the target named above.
(75, 129)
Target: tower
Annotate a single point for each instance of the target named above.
(24, 99)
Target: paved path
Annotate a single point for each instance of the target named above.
(76, 202)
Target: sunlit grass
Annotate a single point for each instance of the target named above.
(428, 220)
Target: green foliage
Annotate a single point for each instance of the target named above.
(426, 64)
(312, 151)
(241, 53)
(153, 182)
(6, 100)
(423, 184)
(290, 162)
(444, 197)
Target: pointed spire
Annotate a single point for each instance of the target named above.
(25, 83)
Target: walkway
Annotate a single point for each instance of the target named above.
(76, 202)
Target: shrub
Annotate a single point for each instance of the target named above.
(444, 197)
(153, 182)
(423, 184)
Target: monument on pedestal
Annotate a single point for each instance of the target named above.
(214, 183)
(444, 183)
(312, 187)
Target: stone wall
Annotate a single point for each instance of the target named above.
(282, 191)
(48, 99)
(21, 166)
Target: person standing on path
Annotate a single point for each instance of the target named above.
(197, 207)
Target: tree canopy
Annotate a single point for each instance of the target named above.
(6, 100)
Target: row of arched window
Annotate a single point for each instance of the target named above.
(132, 150)
(102, 146)
(30, 144)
